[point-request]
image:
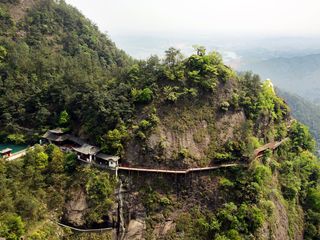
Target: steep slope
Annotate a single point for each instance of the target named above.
(53, 59)
(202, 114)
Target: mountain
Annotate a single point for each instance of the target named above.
(52, 60)
(303, 110)
(299, 74)
(206, 153)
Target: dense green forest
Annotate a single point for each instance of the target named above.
(55, 60)
(34, 190)
(58, 70)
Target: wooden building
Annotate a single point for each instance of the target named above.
(107, 160)
(91, 154)
(86, 152)
(62, 139)
(55, 136)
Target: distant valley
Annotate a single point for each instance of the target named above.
(299, 75)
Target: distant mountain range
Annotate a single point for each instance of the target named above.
(303, 110)
(299, 75)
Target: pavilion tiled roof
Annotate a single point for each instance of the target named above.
(87, 149)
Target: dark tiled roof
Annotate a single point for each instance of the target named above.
(54, 137)
(75, 139)
(87, 149)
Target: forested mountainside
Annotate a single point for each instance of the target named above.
(175, 113)
(303, 110)
(53, 60)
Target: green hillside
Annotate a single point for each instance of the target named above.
(53, 60)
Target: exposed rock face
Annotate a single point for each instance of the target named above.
(281, 221)
(278, 226)
(228, 125)
(195, 140)
(18, 11)
(162, 229)
(135, 230)
(76, 208)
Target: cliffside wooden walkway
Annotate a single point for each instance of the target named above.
(271, 146)
(85, 230)
(257, 153)
(152, 170)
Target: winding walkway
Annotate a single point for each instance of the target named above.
(152, 170)
(256, 154)
(271, 146)
(85, 230)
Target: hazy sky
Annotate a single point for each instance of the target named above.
(258, 17)
(144, 27)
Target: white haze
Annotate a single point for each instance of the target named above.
(145, 27)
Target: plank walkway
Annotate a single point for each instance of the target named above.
(271, 146)
(85, 230)
(152, 170)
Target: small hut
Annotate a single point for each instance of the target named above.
(86, 152)
(107, 160)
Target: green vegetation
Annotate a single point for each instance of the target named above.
(57, 69)
(35, 189)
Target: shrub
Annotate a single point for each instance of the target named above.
(64, 119)
(164, 201)
(313, 200)
(16, 138)
(142, 96)
(171, 93)
(226, 183)
(11, 226)
(184, 153)
(144, 124)
(224, 106)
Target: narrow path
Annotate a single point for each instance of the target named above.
(178, 171)
(85, 230)
(256, 153)
(18, 154)
(271, 146)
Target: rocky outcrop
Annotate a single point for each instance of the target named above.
(135, 230)
(76, 207)
(18, 11)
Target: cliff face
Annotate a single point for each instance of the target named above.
(248, 201)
